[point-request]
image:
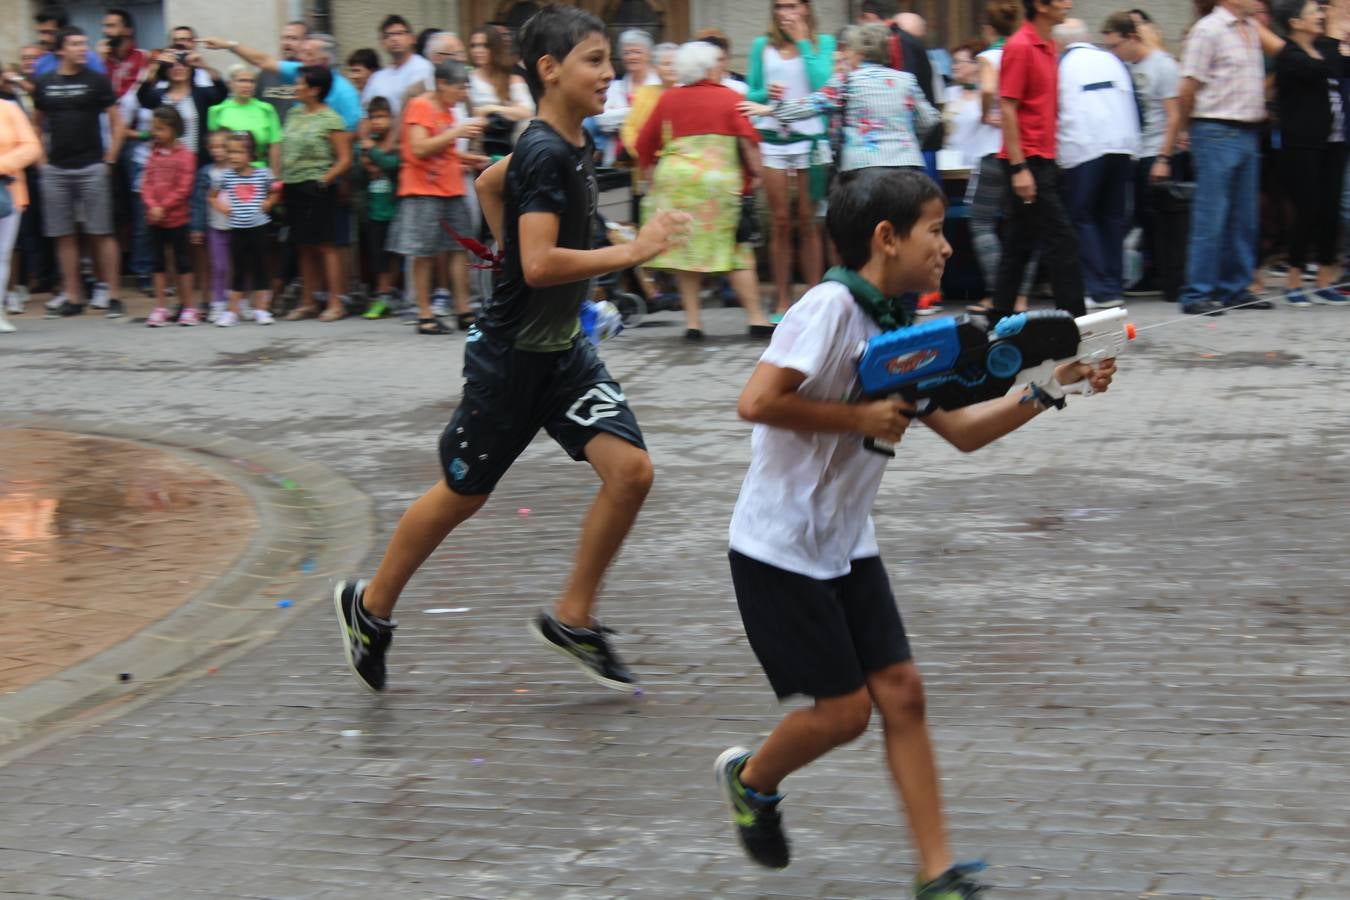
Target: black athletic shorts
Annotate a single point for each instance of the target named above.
(510, 394)
(819, 638)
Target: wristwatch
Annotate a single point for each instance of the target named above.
(1017, 168)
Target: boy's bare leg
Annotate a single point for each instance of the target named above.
(805, 735)
(626, 477)
(422, 266)
(898, 693)
(422, 529)
(459, 281)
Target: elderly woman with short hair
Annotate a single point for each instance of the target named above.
(635, 49)
(884, 110)
(243, 111)
(708, 160)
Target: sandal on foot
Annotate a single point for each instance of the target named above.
(302, 312)
(431, 326)
(332, 315)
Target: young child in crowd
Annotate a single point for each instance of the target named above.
(526, 364)
(166, 191)
(211, 226)
(813, 592)
(245, 196)
(377, 162)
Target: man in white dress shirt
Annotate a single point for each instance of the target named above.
(1097, 140)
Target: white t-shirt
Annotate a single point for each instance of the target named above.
(393, 83)
(805, 505)
(1098, 114)
(968, 134)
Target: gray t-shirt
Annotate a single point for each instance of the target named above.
(1156, 78)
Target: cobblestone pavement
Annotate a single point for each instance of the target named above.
(1130, 617)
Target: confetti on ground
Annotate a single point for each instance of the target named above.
(446, 609)
(351, 732)
(524, 511)
(285, 604)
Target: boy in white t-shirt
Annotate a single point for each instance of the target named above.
(812, 590)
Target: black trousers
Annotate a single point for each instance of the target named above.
(1313, 177)
(248, 259)
(1045, 221)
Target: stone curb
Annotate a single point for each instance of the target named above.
(313, 526)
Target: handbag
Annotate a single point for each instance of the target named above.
(748, 230)
(6, 199)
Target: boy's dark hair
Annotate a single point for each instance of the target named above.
(1121, 23)
(64, 32)
(451, 71)
(366, 58)
(317, 77)
(52, 13)
(127, 20)
(171, 117)
(394, 19)
(864, 198)
(553, 31)
(379, 104)
(885, 10)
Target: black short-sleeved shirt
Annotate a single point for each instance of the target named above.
(71, 104)
(546, 174)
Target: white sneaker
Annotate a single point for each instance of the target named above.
(100, 297)
(57, 301)
(5, 327)
(226, 319)
(262, 317)
(16, 300)
(1089, 303)
(218, 307)
(245, 311)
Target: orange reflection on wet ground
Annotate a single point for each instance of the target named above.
(99, 538)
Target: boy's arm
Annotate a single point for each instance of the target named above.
(491, 188)
(972, 427)
(545, 264)
(771, 398)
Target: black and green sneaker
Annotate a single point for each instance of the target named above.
(755, 815)
(953, 884)
(588, 648)
(365, 639)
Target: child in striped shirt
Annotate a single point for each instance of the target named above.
(246, 194)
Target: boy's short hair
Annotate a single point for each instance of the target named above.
(553, 31)
(864, 198)
(364, 57)
(379, 104)
(171, 117)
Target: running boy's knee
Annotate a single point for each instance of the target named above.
(848, 716)
(632, 476)
(899, 695)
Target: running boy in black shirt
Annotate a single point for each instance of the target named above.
(526, 364)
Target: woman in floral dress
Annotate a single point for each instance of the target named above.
(706, 158)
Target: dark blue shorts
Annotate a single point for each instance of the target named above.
(819, 638)
(510, 394)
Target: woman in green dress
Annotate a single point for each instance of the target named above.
(706, 158)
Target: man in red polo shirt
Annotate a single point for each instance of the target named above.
(1029, 101)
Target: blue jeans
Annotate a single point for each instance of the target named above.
(1094, 193)
(1221, 254)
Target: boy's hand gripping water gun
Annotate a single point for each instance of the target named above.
(951, 363)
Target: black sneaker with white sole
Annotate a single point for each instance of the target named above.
(365, 639)
(759, 825)
(588, 648)
(114, 310)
